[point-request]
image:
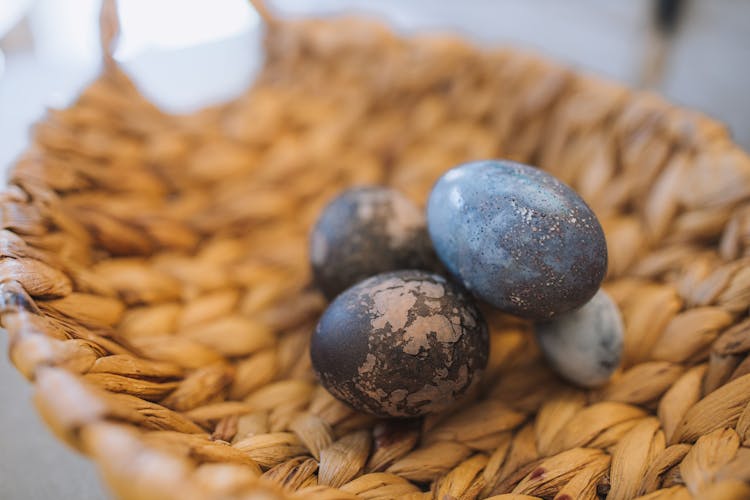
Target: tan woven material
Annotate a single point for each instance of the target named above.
(155, 281)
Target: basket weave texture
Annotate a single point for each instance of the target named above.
(155, 281)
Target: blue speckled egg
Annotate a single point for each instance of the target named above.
(365, 231)
(517, 237)
(585, 345)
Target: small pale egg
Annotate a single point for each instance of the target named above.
(400, 344)
(585, 345)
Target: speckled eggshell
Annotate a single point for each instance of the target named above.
(366, 231)
(400, 344)
(517, 237)
(584, 346)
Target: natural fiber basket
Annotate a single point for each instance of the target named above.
(155, 283)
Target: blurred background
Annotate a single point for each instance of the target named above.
(185, 54)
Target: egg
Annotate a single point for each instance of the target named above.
(365, 231)
(584, 346)
(517, 238)
(400, 344)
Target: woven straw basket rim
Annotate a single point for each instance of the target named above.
(155, 289)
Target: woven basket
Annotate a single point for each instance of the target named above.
(155, 283)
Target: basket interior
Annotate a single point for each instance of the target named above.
(155, 279)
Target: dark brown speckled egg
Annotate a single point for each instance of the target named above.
(400, 344)
(365, 231)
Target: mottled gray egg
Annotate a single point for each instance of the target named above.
(516, 237)
(585, 345)
(366, 231)
(400, 344)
